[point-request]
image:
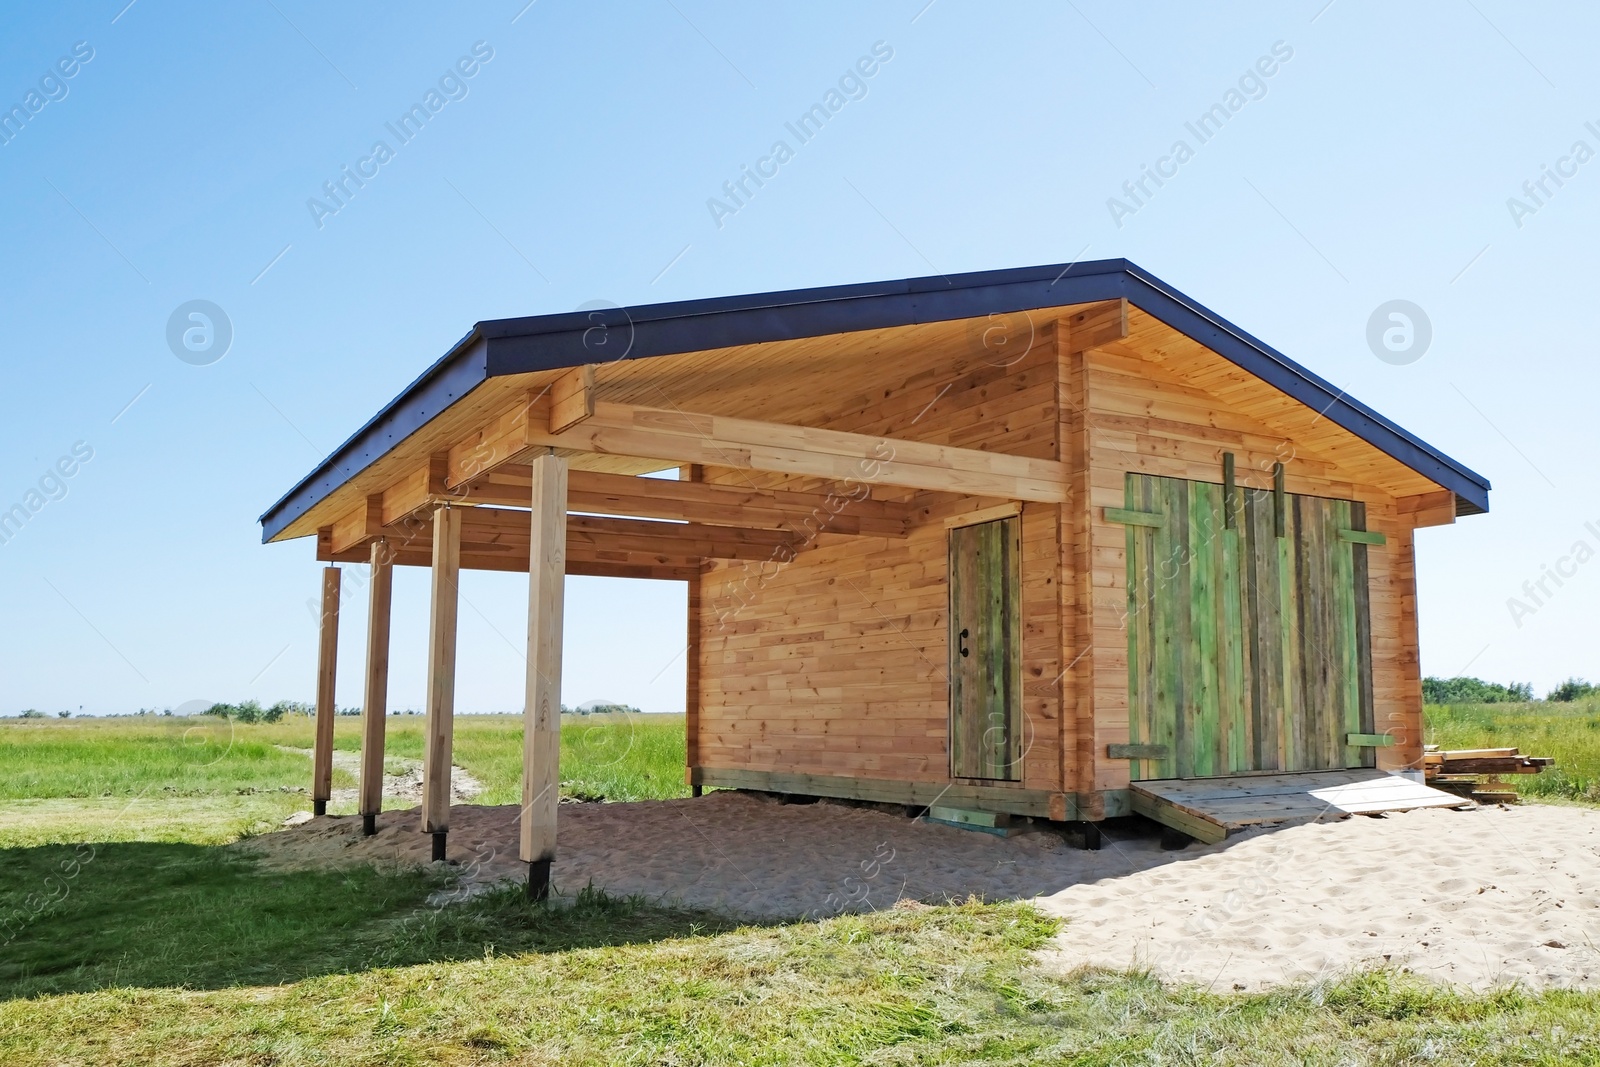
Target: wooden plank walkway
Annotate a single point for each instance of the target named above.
(1209, 809)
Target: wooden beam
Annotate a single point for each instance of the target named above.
(1363, 537)
(327, 664)
(440, 725)
(490, 530)
(514, 560)
(572, 398)
(541, 745)
(1428, 509)
(375, 697)
(745, 444)
(1097, 325)
(838, 512)
(360, 525)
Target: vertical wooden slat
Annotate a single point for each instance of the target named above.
(440, 725)
(1288, 639)
(375, 696)
(541, 723)
(1360, 581)
(1235, 753)
(327, 667)
(1171, 607)
(1279, 501)
(1203, 626)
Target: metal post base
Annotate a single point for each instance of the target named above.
(1091, 836)
(539, 880)
(369, 825)
(319, 807)
(696, 790)
(438, 846)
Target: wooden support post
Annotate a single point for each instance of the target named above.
(541, 738)
(693, 472)
(375, 700)
(327, 663)
(437, 735)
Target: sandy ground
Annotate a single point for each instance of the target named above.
(1476, 898)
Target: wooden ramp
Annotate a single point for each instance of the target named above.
(1208, 809)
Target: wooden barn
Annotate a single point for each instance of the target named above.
(1053, 542)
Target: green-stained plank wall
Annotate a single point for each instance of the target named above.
(1247, 651)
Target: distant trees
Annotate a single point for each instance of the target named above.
(1478, 691)
(252, 711)
(1573, 689)
(601, 709)
(1474, 691)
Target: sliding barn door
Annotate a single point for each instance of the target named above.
(986, 651)
(1249, 644)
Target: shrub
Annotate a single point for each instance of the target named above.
(31, 713)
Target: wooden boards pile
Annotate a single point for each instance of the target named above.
(1476, 772)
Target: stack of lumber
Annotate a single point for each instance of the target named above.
(1476, 772)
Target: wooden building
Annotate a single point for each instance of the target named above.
(1028, 542)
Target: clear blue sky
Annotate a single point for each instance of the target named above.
(576, 164)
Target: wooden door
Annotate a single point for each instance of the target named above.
(1247, 650)
(986, 651)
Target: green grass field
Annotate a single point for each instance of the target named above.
(1568, 732)
(131, 933)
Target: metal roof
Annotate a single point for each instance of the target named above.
(543, 342)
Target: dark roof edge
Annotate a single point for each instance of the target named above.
(451, 377)
(513, 346)
(1155, 297)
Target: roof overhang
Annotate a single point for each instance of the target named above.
(500, 347)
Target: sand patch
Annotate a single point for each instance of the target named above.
(1475, 898)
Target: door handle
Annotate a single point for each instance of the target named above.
(964, 650)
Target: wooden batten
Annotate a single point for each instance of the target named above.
(375, 697)
(327, 667)
(541, 754)
(439, 727)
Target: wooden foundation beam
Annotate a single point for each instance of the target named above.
(440, 725)
(541, 744)
(375, 697)
(327, 667)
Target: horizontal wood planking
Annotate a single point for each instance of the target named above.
(834, 664)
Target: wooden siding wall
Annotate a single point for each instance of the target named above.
(835, 663)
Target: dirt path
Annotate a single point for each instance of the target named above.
(402, 778)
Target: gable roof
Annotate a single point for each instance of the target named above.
(499, 347)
